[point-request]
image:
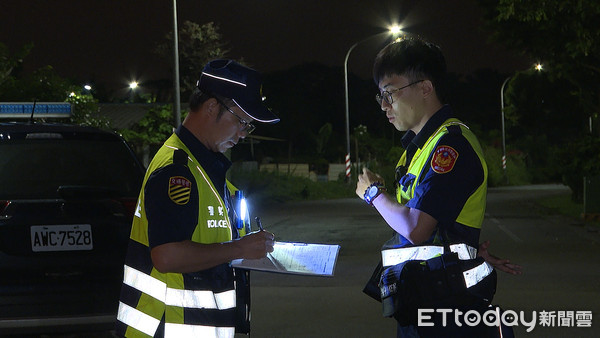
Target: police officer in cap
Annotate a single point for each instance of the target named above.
(177, 280)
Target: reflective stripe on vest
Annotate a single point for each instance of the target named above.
(145, 283)
(472, 276)
(199, 299)
(400, 255)
(181, 330)
(148, 325)
(477, 274)
(137, 319)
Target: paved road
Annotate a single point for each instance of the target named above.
(559, 255)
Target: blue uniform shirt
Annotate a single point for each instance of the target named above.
(171, 222)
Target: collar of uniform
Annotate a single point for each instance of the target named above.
(215, 164)
(432, 125)
(407, 138)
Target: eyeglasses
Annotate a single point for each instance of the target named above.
(387, 95)
(246, 126)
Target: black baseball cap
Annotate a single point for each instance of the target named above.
(243, 85)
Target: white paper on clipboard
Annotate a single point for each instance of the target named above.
(295, 258)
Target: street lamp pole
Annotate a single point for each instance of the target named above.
(393, 30)
(503, 132)
(176, 67)
(347, 159)
(538, 67)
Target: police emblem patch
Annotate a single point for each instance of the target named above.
(443, 160)
(179, 189)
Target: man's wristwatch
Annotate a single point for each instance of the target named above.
(372, 192)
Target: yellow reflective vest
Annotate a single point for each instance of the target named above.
(473, 211)
(199, 304)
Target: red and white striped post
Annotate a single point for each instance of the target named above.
(348, 166)
(504, 169)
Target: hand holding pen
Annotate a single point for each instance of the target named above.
(257, 244)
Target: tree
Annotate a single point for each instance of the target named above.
(565, 36)
(85, 111)
(575, 158)
(148, 134)
(198, 44)
(45, 85)
(9, 62)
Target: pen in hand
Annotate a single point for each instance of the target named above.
(259, 223)
(269, 256)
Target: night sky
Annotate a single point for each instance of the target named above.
(112, 42)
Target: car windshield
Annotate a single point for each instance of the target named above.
(35, 169)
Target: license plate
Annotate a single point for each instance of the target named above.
(61, 237)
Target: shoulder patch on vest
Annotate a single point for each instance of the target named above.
(180, 189)
(443, 159)
(180, 157)
(454, 129)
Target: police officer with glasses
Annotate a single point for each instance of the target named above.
(438, 207)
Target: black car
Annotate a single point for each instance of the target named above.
(67, 198)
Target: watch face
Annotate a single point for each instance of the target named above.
(372, 191)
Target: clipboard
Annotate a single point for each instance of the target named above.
(295, 258)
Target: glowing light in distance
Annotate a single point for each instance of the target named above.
(395, 29)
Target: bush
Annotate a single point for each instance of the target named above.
(267, 187)
(152, 130)
(516, 170)
(577, 159)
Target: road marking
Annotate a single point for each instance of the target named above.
(506, 231)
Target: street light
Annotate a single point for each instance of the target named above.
(539, 67)
(394, 30)
(132, 87)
